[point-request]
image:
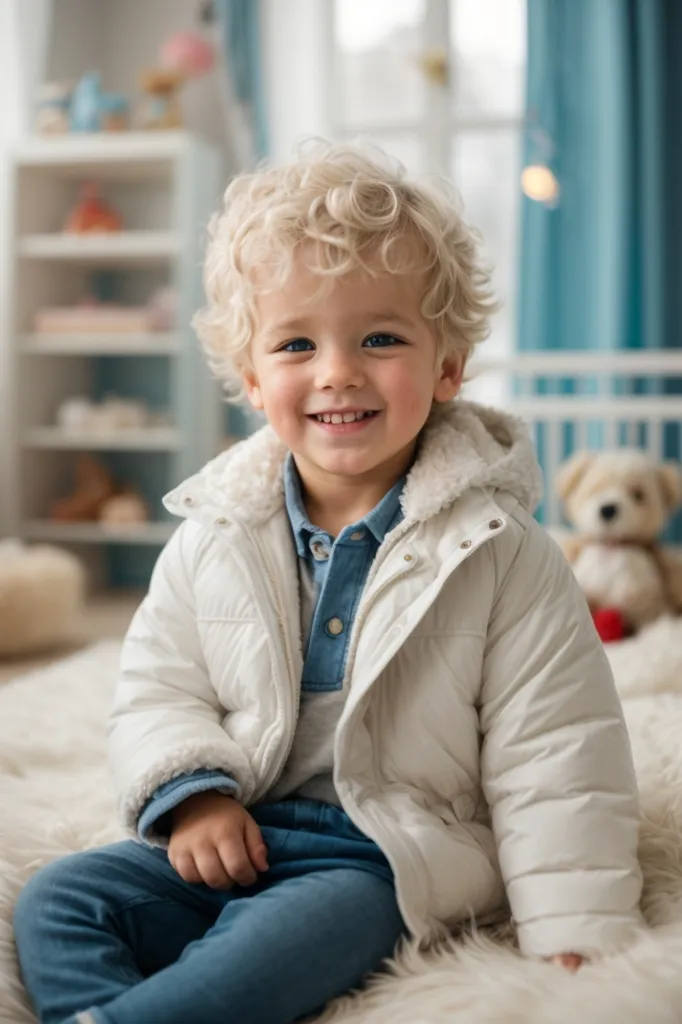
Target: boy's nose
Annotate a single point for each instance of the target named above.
(338, 371)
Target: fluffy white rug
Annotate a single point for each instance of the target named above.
(56, 798)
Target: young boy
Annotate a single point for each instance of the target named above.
(363, 697)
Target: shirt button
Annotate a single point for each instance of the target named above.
(495, 524)
(335, 626)
(319, 551)
(465, 544)
(358, 535)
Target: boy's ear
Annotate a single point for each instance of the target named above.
(252, 388)
(450, 381)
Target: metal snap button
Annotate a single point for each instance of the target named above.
(465, 544)
(188, 500)
(222, 521)
(335, 626)
(495, 524)
(358, 535)
(408, 558)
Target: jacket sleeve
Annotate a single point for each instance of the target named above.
(556, 763)
(154, 823)
(167, 720)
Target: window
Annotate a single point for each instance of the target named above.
(440, 85)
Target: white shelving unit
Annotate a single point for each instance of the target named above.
(126, 248)
(165, 184)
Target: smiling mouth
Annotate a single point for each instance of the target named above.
(343, 417)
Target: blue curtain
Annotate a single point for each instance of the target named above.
(240, 25)
(604, 269)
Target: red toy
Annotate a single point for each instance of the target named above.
(610, 625)
(92, 214)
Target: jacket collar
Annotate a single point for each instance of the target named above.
(463, 446)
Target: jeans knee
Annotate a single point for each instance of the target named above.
(44, 892)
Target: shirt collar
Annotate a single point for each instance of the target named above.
(383, 517)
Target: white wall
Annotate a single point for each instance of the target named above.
(77, 39)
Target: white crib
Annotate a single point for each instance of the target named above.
(577, 400)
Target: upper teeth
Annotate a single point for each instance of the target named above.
(337, 417)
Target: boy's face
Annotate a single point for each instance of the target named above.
(358, 346)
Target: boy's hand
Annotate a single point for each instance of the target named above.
(215, 840)
(571, 961)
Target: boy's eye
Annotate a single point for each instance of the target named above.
(382, 341)
(297, 345)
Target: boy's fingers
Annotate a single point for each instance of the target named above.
(211, 868)
(235, 859)
(256, 848)
(185, 867)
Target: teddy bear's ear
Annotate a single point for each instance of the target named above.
(670, 483)
(571, 472)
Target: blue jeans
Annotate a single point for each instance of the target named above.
(116, 931)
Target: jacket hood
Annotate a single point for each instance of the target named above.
(463, 446)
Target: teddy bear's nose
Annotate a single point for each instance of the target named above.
(608, 512)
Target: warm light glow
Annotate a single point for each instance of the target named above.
(538, 183)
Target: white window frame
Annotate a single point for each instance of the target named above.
(438, 130)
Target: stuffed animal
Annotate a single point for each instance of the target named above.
(92, 213)
(94, 486)
(160, 108)
(618, 502)
(124, 509)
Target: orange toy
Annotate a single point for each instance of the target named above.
(94, 486)
(92, 214)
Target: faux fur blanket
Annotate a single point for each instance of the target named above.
(55, 798)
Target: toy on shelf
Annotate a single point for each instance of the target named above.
(94, 486)
(92, 214)
(97, 497)
(115, 112)
(61, 107)
(124, 509)
(618, 503)
(160, 108)
(93, 110)
(162, 309)
(80, 415)
(52, 108)
(184, 56)
(93, 316)
(42, 589)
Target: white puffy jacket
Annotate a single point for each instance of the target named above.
(482, 745)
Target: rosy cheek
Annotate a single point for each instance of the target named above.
(408, 392)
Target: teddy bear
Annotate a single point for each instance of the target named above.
(618, 502)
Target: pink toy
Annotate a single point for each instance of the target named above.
(188, 53)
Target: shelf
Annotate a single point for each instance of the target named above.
(97, 533)
(87, 344)
(111, 155)
(122, 247)
(147, 440)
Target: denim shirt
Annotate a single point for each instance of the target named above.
(338, 570)
(333, 572)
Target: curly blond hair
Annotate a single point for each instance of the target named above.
(352, 208)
